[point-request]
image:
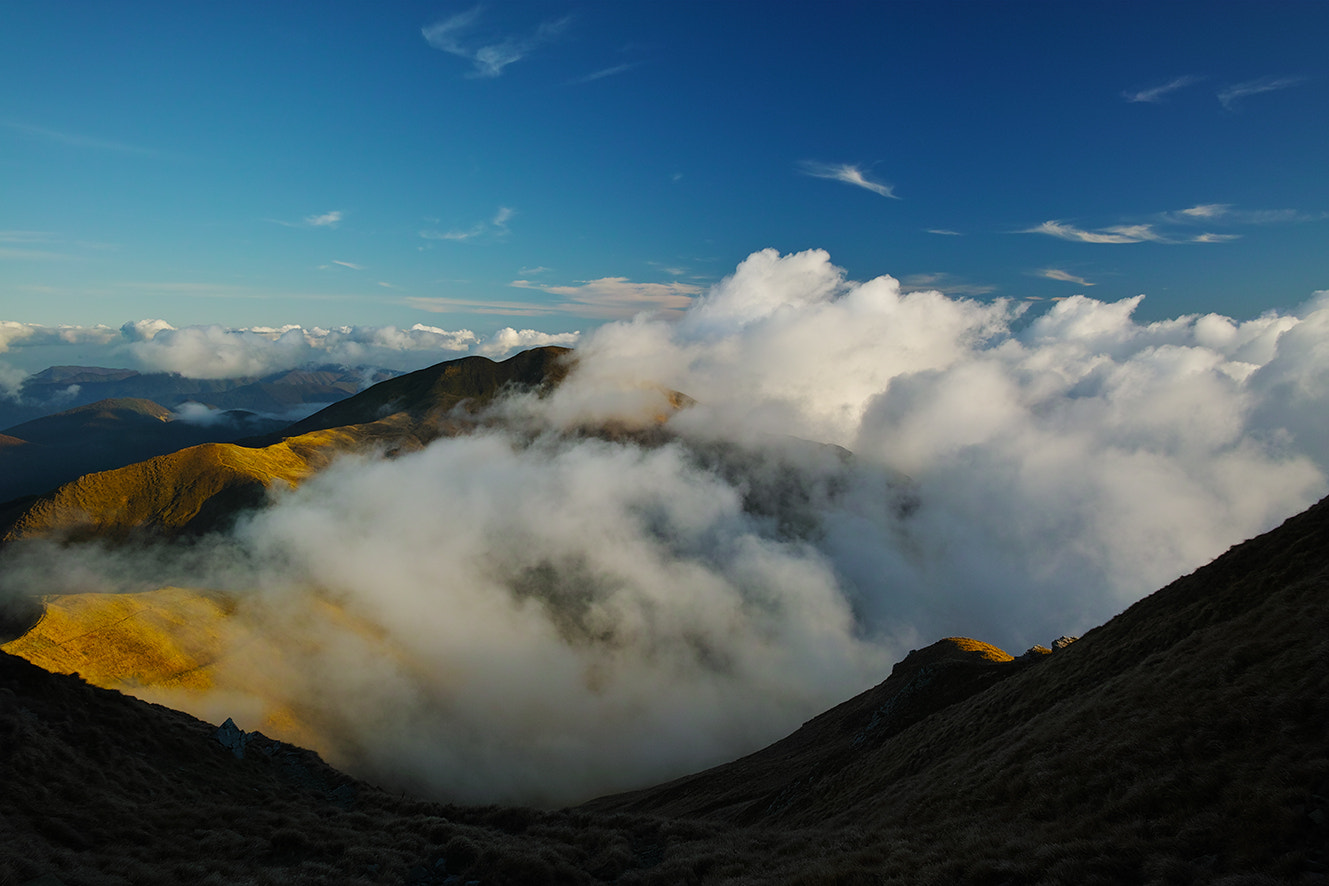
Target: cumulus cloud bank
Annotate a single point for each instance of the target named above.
(221, 352)
(533, 615)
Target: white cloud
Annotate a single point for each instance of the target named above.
(1229, 96)
(619, 599)
(219, 352)
(1064, 276)
(508, 340)
(494, 227)
(347, 264)
(454, 35)
(1226, 213)
(644, 612)
(1123, 234)
(1208, 210)
(944, 232)
(849, 174)
(1134, 233)
(1155, 94)
(604, 72)
(326, 220)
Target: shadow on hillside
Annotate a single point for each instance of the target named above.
(18, 616)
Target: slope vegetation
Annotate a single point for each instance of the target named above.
(105, 435)
(429, 395)
(1182, 742)
(191, 490)
(199, 488)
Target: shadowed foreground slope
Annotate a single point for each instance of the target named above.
(1187, 740)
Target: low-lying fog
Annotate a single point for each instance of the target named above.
(529, 616)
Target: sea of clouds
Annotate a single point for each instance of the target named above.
(530, 614)
(220, 352)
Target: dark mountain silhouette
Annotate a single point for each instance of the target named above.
(429, 395)
(1184, 741)
(199, 488)
(123, 416)
(108, 434)
(297, 391)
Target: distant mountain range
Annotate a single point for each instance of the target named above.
(189, 489)
(63, 387)
(74, 420)
(1184, 741)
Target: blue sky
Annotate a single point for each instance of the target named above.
(555, 165)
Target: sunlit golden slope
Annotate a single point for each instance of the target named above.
(190, 489)
(199, 650)
(170, 637)
(199, 488)
(1182, 742)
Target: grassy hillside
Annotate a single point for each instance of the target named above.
(119, 416)
(430, 394)
(1185, 741)
(103, 436)
(192, 489)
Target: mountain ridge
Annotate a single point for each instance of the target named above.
(1181, 741)
(211, 483)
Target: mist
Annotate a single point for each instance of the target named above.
(536, 614)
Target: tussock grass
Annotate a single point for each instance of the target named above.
(1186, 741)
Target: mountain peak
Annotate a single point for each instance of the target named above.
(468, 382)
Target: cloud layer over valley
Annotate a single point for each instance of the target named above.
(219, 352)
(533, 614)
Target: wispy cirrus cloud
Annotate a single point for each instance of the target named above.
(494, 227)
(30, 246)
(75, 140)
(1156, 94)
(603, 73)
(946, 283)
(45, 246)
(943, 231)
(618, 298)
(451, 305)
(325, 220)
(1063, 276)
(349, 264)
(847, 173)
(1136, 233)
(318, 220)
(488, 56)
(1226, 213)
(1208, 210)
(1229, 96)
